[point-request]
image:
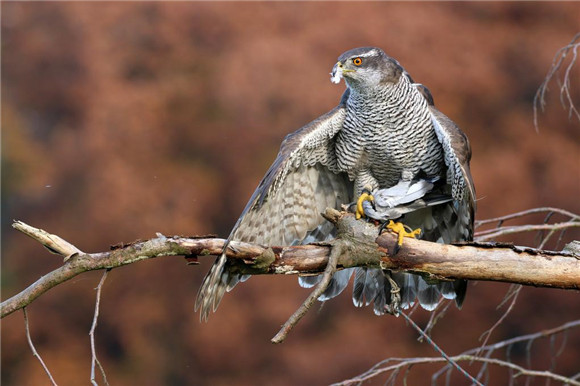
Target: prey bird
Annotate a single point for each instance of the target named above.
(385, 139)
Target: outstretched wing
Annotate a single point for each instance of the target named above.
(303, 180)
(285, 208)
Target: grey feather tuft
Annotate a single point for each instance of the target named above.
(309, 281)
(337, 284)
(427, 294)
(408, 285)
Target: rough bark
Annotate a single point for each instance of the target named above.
(472, 261)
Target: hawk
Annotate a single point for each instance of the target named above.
(385, 136)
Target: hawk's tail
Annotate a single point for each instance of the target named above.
(337, 283)
(216, 283)
(372, 286)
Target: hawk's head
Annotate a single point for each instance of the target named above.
(365, 68)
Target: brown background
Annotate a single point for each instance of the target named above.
(122, 120)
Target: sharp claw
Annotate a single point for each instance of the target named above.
(383, 227)
(396, 249)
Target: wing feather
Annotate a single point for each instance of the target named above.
(285, 208)
(454, 222)
(457, 156)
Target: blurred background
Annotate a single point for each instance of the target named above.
(120, 120)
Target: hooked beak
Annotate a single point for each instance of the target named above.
(336, 73)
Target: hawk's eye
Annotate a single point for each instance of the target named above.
(357, 61)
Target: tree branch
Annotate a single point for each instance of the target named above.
(471, 355)
(303, 309)
(94, 360)
(405, 362)
(440, 351)
(33, 349)
(473, 261)
(557, 63)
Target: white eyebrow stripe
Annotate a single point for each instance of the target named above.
(367, 54)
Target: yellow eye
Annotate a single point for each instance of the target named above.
(357, 61)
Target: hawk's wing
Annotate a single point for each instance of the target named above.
(285, 208)
(451, 222)
(457, 154)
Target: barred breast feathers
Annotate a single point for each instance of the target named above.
(392, 125)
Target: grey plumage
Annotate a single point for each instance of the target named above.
(385, 133)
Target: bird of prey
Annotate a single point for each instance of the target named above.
(385, 137)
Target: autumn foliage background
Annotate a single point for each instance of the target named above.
(120, 120)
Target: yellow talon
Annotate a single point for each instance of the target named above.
(365, 196)
(401, 230)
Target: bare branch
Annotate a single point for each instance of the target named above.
(405, 362)
(55, 244)
(492, 234)
(440, 351)
(527, 337)
(472, 261)
(572, 221)
(33, 349)
(300, 312)
(565, 97)
(527, 212)
(508, 343)
(512, 294)
(94, 359)
(437, 314)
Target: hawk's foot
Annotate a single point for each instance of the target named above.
(365, 196)
(402, 231)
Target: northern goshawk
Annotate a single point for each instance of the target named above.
(385, 136)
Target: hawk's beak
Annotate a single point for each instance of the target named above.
(336, 73)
